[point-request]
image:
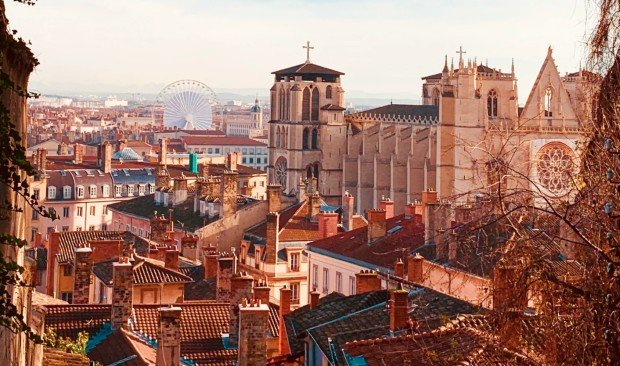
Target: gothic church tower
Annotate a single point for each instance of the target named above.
(307, 131)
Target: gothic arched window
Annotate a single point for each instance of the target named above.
(555, 167)
(304, 138)
(285, 137)
(280, 172)
(436, 97)
(277, 144)
(328, 92)
(316, 170)
(305, 105)
(315, 138)
(282, 104)
(309, 171)
(547, 102)
(492, 103)
(315, 104)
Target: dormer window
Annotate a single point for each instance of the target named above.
(492, 104)
(129, 190)
(118, 190)
(547, 102)
(66, 192)
(92, 191)
(106, 190)
(51, 192)
(79, 192)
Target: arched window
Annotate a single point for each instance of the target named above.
(315, 138)
(309, 171)
(304, 139)
(328, 92)
(281, 172)
(315, 104)
(492, 103)
(282, 108)
(305, 105)
(436, 97)
(51, 192)
(547, 102)
(277, 144)
(316, 170)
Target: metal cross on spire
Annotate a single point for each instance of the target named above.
(308, 48)
(461, 52)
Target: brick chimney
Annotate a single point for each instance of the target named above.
(162, 178)
(210, 263)
(240, 289)
(63, 149)
(171, 259)
(399, 308)
(367, 281)
(229, 196)
(83, 269)
(169, 336)
(415, 268)
(271, 244)
(180, 190)
(262, 292)
(437, 223)
(328, 224)
(285, 308)
(122, 293)
(410, 210)
(122, 144)
(159, 227)
(253, 329)
(314, 298)
(274, 198)
(232, 159)
(377, 226)
(508, 292)
(387, 205)
(225, 270)
(399, 268)
(78, 153)
(163, 151)
(348, 210)
(189, 247)
(314, 206)
(42, 160)
(104, 157)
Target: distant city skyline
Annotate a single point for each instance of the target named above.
(384, 48)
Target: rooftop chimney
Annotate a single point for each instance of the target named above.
(314, 206)
(377, 226)
(229, 196)
(189, 247)
(437, 224)
(159, 227)
(180, 190)
(314, 298)
(508, 293)
(399, 268)
(240, 289)
(348, 210)
(78, 153)
(271, 244)
(163, 151)
(122, 144)
(415, 268)
(328, 224)
(42, 160)
(285, 308)
(232, 160)
(210, 262)
(399, 308)
(104, 157)
(387, 205)
(367, 281)
(274, 197)
(172, 259)
(262, 292)
(301, 191)
(169, 336)
(83, 269)
(122, 293)
(63, 149)
(253, 329)
(225, 270)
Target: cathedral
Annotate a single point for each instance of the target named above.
(469, 128)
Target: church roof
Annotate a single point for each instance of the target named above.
(479, 68)
(307, 68)
(406, 110)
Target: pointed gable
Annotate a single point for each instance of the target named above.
(548, 76)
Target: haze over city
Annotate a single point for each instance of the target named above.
(384, 47)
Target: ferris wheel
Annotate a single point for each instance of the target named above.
(187, 105)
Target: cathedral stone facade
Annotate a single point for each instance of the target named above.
(469, 129)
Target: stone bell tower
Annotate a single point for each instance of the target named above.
(307, 131)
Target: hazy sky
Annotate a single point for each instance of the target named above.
(382, 46)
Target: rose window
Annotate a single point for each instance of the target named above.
(555, 167)
(280, 168)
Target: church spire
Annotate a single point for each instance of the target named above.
(445, 65)
(512, 67)
(452, 66)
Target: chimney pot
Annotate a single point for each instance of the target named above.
(367, 281)
(377, 225)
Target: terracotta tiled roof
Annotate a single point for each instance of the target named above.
(144, 272)
(298, 227)
(464, 346)
(286, 214)
(126, 346)
(307, 68)
(221, 140)
(403, 235)
(69, 320)
(69, 240)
